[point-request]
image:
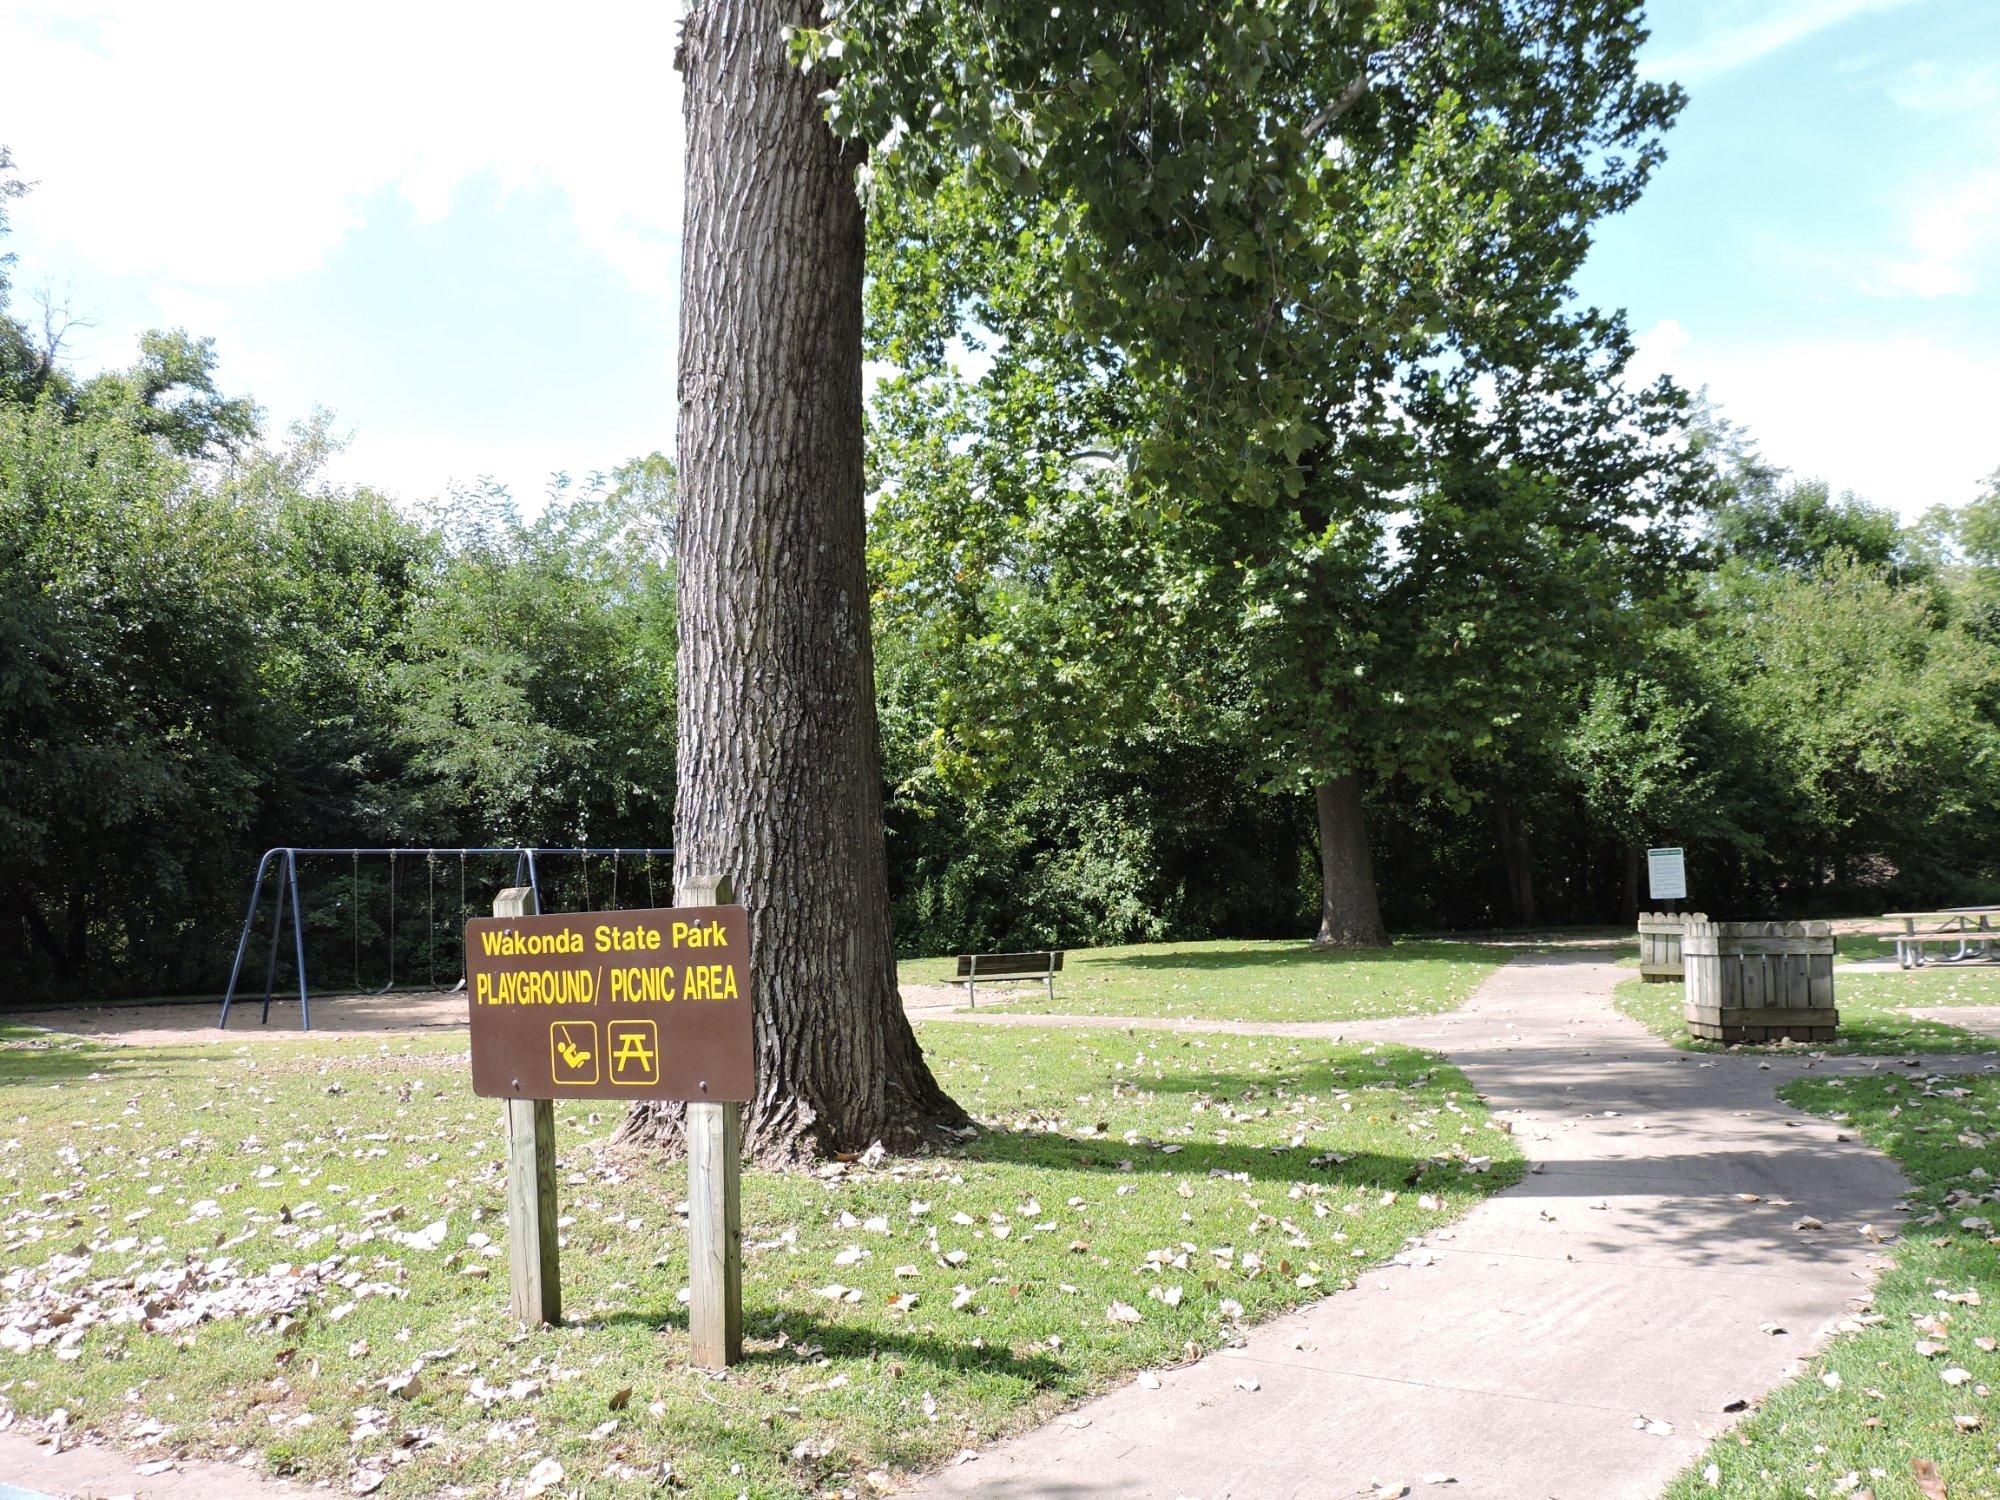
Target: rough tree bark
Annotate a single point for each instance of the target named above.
(778, 782)
(1349, 915)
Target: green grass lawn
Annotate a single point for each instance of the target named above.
(294, 1249)
(1886, 1396)
(1871, 1020)
(1935, 985)
(1248, 981)
(1868, 945)
(1861, 945)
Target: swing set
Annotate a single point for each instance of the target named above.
(279, 868)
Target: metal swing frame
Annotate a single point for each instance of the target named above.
(281, 865)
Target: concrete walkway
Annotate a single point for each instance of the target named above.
(1581, 1335)
(33, 1468)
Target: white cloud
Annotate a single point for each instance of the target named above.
(212, 143)
(1659, 348)
(425, 463)
(1949, 231)
(198, 312)
(1951, 222)
(1932, 87)
(1905, 422)
(1751, 29)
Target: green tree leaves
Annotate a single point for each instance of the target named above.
(199, 661)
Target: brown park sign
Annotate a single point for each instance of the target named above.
(612, 1005)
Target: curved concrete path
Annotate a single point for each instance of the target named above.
(33, 1467)
(1580, 1335)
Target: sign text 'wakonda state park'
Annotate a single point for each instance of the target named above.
(611, 1005)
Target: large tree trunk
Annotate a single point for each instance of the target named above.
(779, 781)
(1517, 856)
(1349, 916)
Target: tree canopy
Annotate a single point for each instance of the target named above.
(1373, 474)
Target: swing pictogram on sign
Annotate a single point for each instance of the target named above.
(573, 1052)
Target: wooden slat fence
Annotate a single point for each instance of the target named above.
(1660, 944)
(1759, 981)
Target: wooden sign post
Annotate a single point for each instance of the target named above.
(621, 1005)
(534, 1264)
(714, 1132)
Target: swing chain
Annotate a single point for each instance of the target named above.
(431, 920)
(463, 910)
(391, 983)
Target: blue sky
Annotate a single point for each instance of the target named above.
(462, 238)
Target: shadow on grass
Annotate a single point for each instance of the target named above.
(1052, 1152)
(1288, 1083)
(43, 1058)
(762, 1326)
(1857, 1036)
(1868, 1028)
(1889, 1035)
(1291, 955)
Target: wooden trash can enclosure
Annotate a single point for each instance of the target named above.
(1660, 943)
(1759, 981)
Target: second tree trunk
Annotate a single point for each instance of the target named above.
(1349, 915)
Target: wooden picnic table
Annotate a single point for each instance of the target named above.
(1971, 929)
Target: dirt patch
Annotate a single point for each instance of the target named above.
(411, 1013)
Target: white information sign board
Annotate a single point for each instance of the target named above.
(1666, 874)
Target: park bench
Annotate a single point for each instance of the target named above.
(1968, 929)
(1007, 968)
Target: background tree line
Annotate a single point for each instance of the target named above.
(1529, 626)
(1812, 708)
(208, 648)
